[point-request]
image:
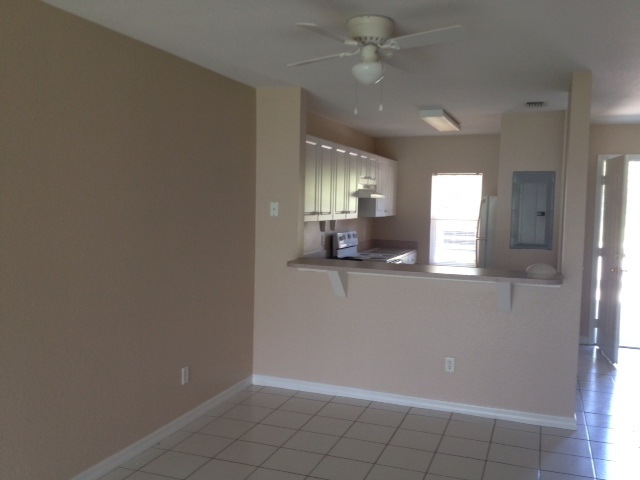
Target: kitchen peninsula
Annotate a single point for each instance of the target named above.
(338, 271)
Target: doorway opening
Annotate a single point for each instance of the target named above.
(616, 324)
(629, 298)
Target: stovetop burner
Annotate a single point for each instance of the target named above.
(345, 247)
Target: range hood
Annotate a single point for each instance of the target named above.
(368, 191)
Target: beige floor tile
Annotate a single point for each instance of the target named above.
(247, 453)
(357, 450)
(117, 474)
(501, 471)
(370, 432)
(222, 469)
(381, 417)
(407, 458)
(265, 474)
(312, 442)
(280, 418)
(516, 438)
(293, 461)
(341, 410)
(248, 413)
(568, 446)
(457, 467)
(332, 468)
(522, 457)
(175, 464)
(557, 462)
(268, 435)
(463, 447)
(303, 405)
(382, 472)
(424, 423)
(417, 440)
(470, 430)
(266, 400)
(327, 425)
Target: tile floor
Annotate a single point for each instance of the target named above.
(268, 433)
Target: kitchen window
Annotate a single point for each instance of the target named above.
(455, 202)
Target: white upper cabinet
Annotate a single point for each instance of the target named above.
(346, 182)
(367, 169)
(333, 175)
(319, 174)
(387, 206)
(385, 181)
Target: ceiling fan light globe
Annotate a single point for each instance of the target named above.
(368, 73)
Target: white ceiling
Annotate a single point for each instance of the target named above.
(515, 51)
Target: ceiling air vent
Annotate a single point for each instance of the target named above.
(535, 104)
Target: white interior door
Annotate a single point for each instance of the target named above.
(612, 253)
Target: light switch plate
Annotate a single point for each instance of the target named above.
(274, 209)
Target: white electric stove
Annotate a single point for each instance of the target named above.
(345, 247)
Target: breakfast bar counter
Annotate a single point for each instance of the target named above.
(338, 271)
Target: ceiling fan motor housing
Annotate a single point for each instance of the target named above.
(370, 29)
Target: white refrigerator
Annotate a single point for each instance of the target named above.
(485, 234)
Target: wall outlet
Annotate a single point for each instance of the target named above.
(184, 375)
(449, 364)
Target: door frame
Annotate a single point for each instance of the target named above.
(595, 252)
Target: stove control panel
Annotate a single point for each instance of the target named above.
(345, 239)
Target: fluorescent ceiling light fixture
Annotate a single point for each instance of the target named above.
(440, 120)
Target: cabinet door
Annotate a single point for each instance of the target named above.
(311, 182)
(367, 169)
(390, 186)
(352, 185)
(381, 203)
(326, 184)
(341, 202)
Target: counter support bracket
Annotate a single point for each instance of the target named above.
(338, 283)
(503, 296)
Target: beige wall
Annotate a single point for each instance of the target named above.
(125, 174)
(604, 139)
(392, 334)
(418, 159)
(335, 132)
(528, 142)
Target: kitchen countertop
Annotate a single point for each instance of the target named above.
(424, 271)
(338, 272)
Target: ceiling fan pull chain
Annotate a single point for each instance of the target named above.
(381, 95)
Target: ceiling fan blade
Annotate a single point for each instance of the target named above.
(430, 37)
(327, 33)
(321, 59)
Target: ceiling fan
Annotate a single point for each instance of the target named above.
(371, 34)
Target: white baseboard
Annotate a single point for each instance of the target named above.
(487, 412)
(117, 459)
